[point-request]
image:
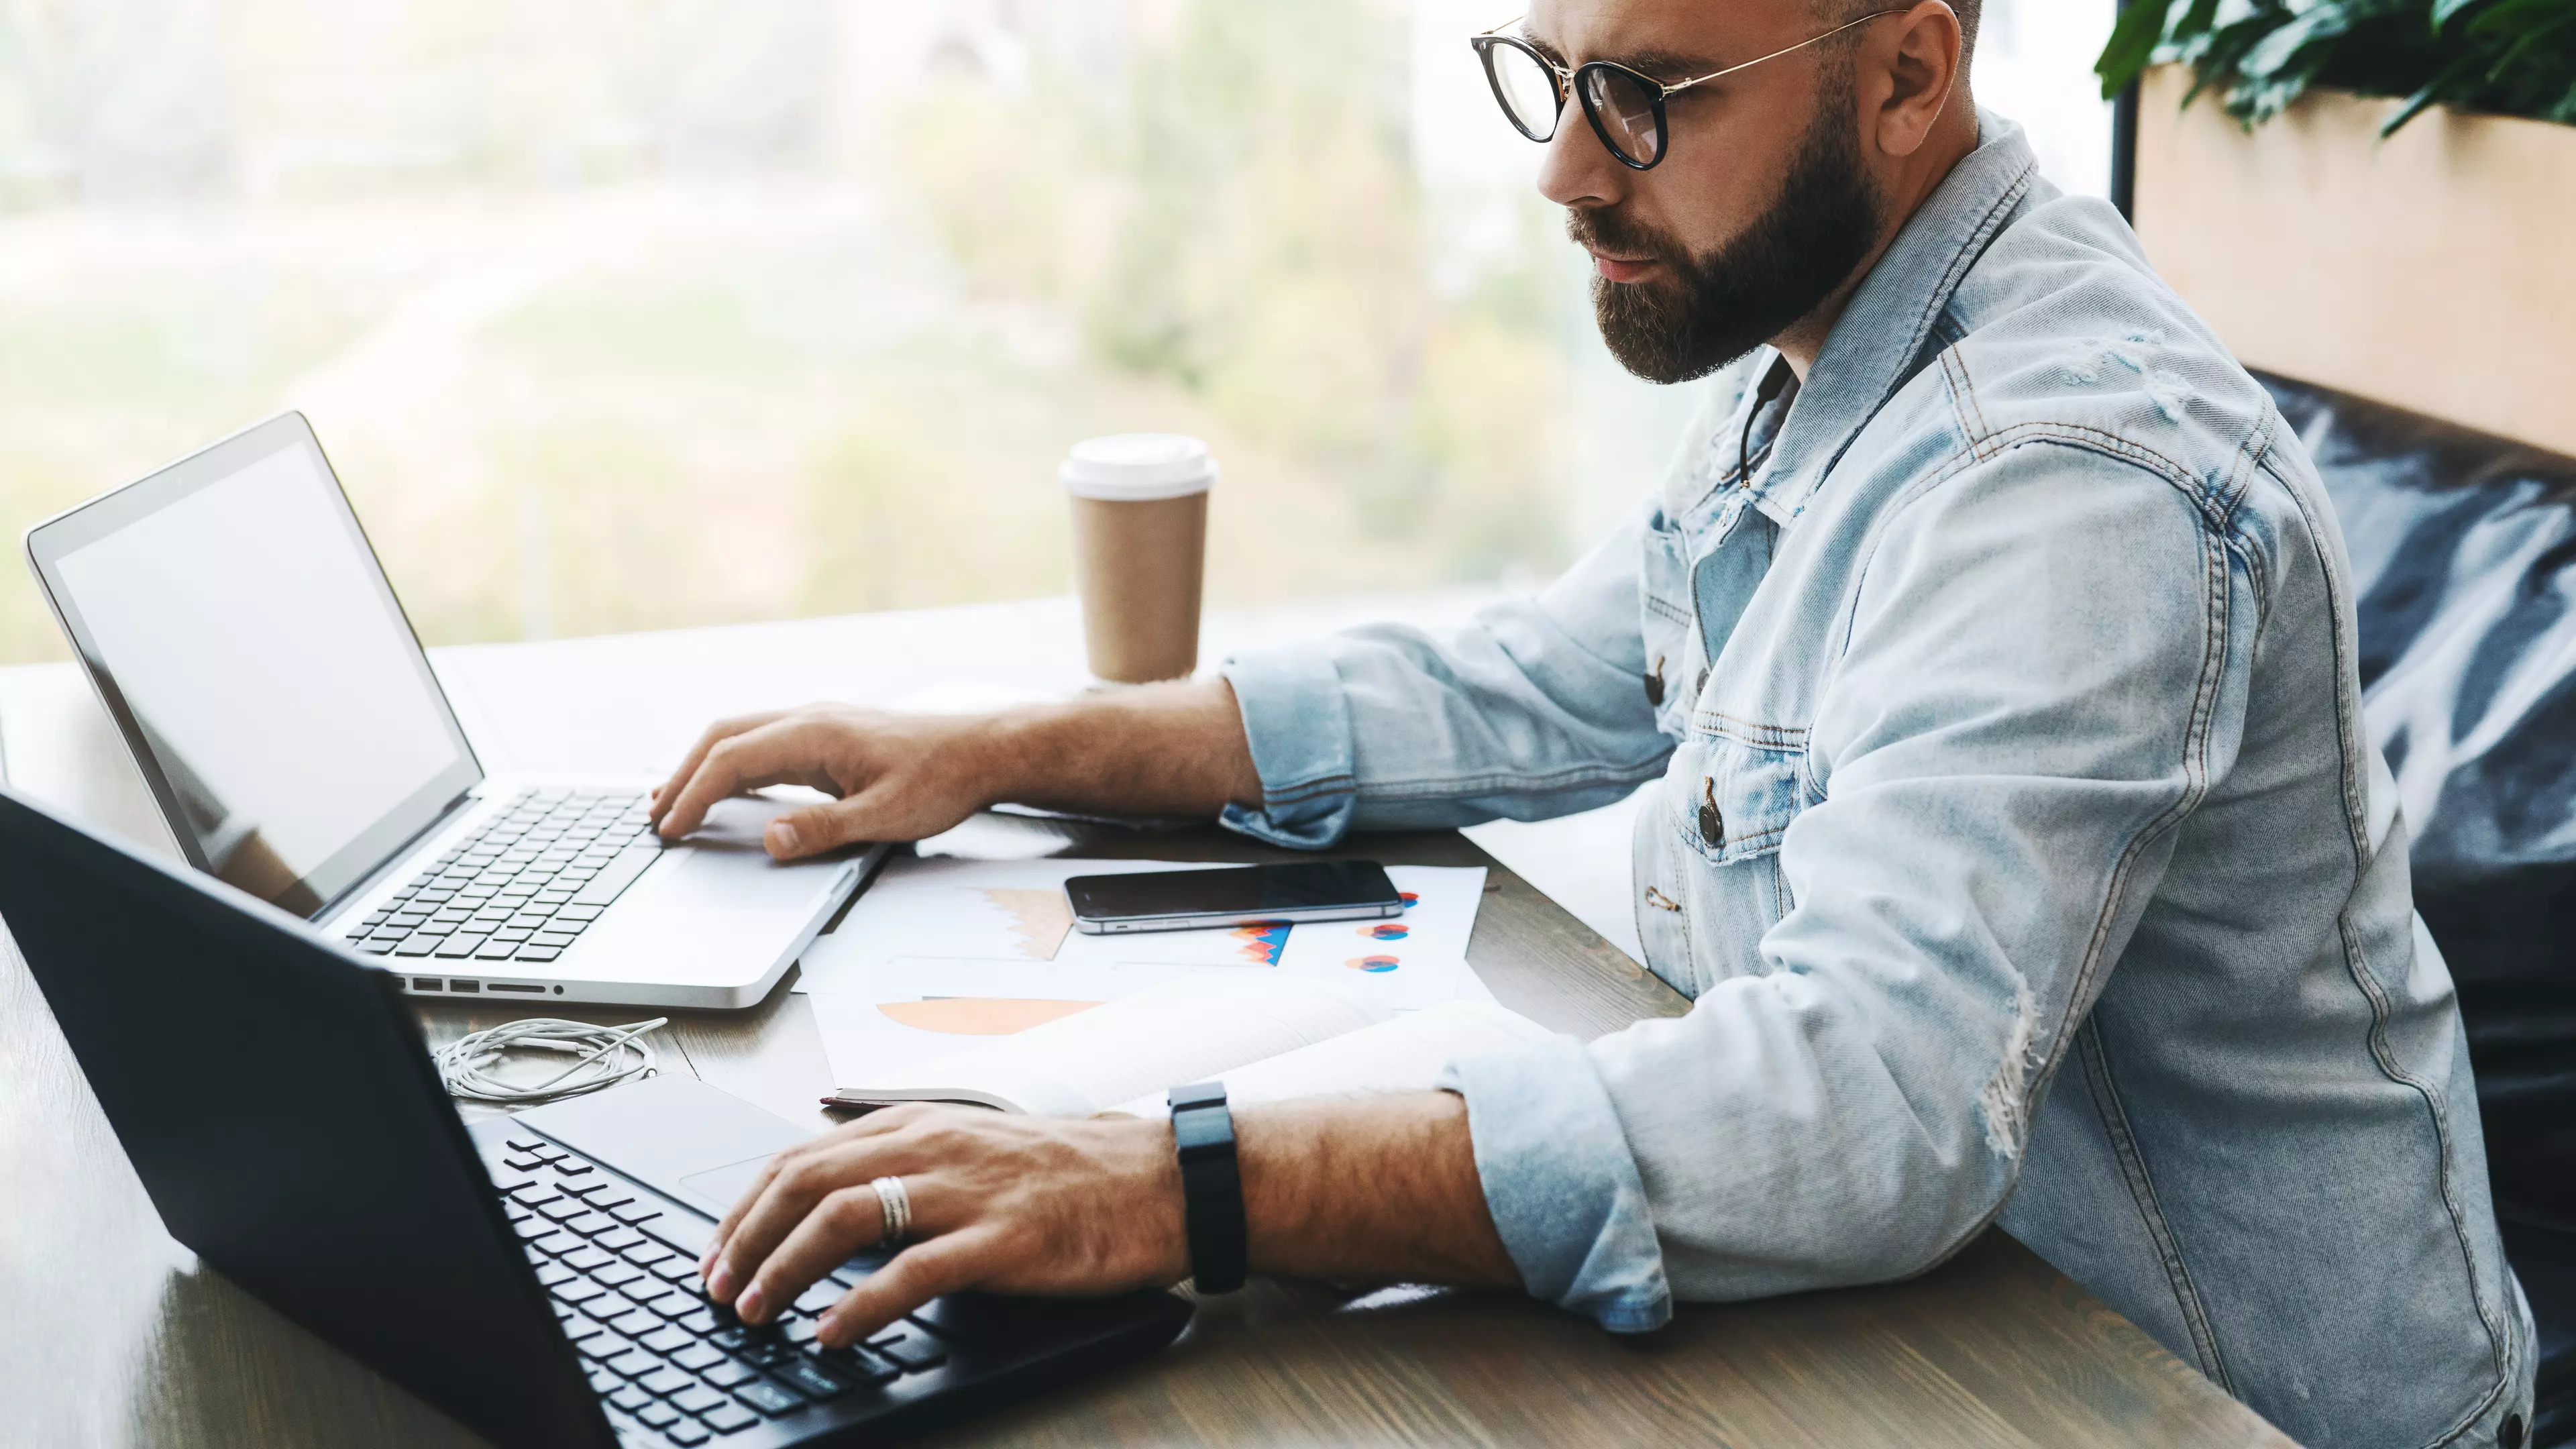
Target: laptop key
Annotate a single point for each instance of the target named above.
(617, 875)
(769, 1396)
(634, 1363)
(579, 1291)
(726, 1374)
(633, 1322)
(616, 1275)
(665, 1380)
(668, 1341)
(809, 1379)
(910, 1347)
(604, 1383)
(629, 1398)
(692, 1355)
(729, 1418)
(659, 1416)
(588, 1222)
(536, 953)
(857, 1363)
(585, 1257)
(687, 1435)
(604, 1345)
(554, 1273)
(696, 1399)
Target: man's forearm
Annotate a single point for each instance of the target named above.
(1377, 1188)
(1163, 749)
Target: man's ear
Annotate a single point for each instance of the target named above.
(1918, 70)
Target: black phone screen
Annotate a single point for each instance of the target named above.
(1232, 890)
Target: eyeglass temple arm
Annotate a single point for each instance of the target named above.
(1784, 50)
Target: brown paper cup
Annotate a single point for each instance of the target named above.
(1140, 551)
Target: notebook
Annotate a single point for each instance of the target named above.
(1268, 1039)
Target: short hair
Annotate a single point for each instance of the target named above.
(1836, 12)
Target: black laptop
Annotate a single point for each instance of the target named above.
(533, 1275)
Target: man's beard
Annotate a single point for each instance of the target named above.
(1713, 311)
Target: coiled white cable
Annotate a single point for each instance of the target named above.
(608, 1055)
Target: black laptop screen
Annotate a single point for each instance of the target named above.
(239, 624)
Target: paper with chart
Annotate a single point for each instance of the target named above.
(940, 952)
(1015, 912)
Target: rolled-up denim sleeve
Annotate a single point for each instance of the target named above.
(1566, 1197)
(1536, 709)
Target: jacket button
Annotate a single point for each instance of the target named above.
(1712, 826)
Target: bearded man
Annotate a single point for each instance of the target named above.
(1990, 644)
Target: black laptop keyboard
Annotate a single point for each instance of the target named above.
(524, 887)
(671, 1366)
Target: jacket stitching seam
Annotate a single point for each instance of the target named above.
(2356, 964)
(2142, 1195)
(1436, 786)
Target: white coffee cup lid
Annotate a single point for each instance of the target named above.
(1138, 467)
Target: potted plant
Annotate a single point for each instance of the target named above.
(2378, 195)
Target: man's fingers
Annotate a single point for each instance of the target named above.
(817, 828)
(918, 1274)
(788, 1188)
(843, 1222)
(723, 729)
(773, 753)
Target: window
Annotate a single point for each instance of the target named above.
(622, 314)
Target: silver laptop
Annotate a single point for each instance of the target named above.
(239, 629)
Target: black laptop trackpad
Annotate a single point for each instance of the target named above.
(674, 1134)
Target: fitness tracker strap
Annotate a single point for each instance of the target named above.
(1211, 1186)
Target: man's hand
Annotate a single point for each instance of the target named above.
(1164, 749)
(1009, 1203)
(1375, 1188)
(894, 776)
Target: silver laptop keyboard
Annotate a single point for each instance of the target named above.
(524, 887)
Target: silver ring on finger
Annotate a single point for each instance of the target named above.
(896, 1204)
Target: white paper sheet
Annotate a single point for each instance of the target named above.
(1015, 911)
(933, 932)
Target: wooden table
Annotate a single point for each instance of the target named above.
(114, 1334)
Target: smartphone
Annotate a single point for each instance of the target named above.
(1189, 900)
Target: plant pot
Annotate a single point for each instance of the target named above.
(2435, 270)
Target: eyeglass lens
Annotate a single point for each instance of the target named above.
(1625, 111)
(1527, 89)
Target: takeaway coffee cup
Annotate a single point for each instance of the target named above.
(1140, 551)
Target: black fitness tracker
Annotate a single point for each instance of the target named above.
(1211, 1186)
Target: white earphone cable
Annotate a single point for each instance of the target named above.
(607, 1056)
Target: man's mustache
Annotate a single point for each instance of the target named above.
(1607, 230)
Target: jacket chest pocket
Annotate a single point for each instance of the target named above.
(1731, 811)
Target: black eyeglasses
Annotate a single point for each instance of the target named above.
(1626, 109)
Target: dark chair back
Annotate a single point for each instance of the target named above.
(2463, 547)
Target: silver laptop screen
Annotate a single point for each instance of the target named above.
(234, 610)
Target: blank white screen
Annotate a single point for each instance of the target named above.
(245, 630)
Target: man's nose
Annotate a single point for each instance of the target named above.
(1577, 170)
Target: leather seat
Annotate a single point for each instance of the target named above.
(2464, 564)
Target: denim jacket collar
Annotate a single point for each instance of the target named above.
(1879, 341)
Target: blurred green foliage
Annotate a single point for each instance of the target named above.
(2505, 57)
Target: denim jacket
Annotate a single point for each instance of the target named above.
(2016, 836)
